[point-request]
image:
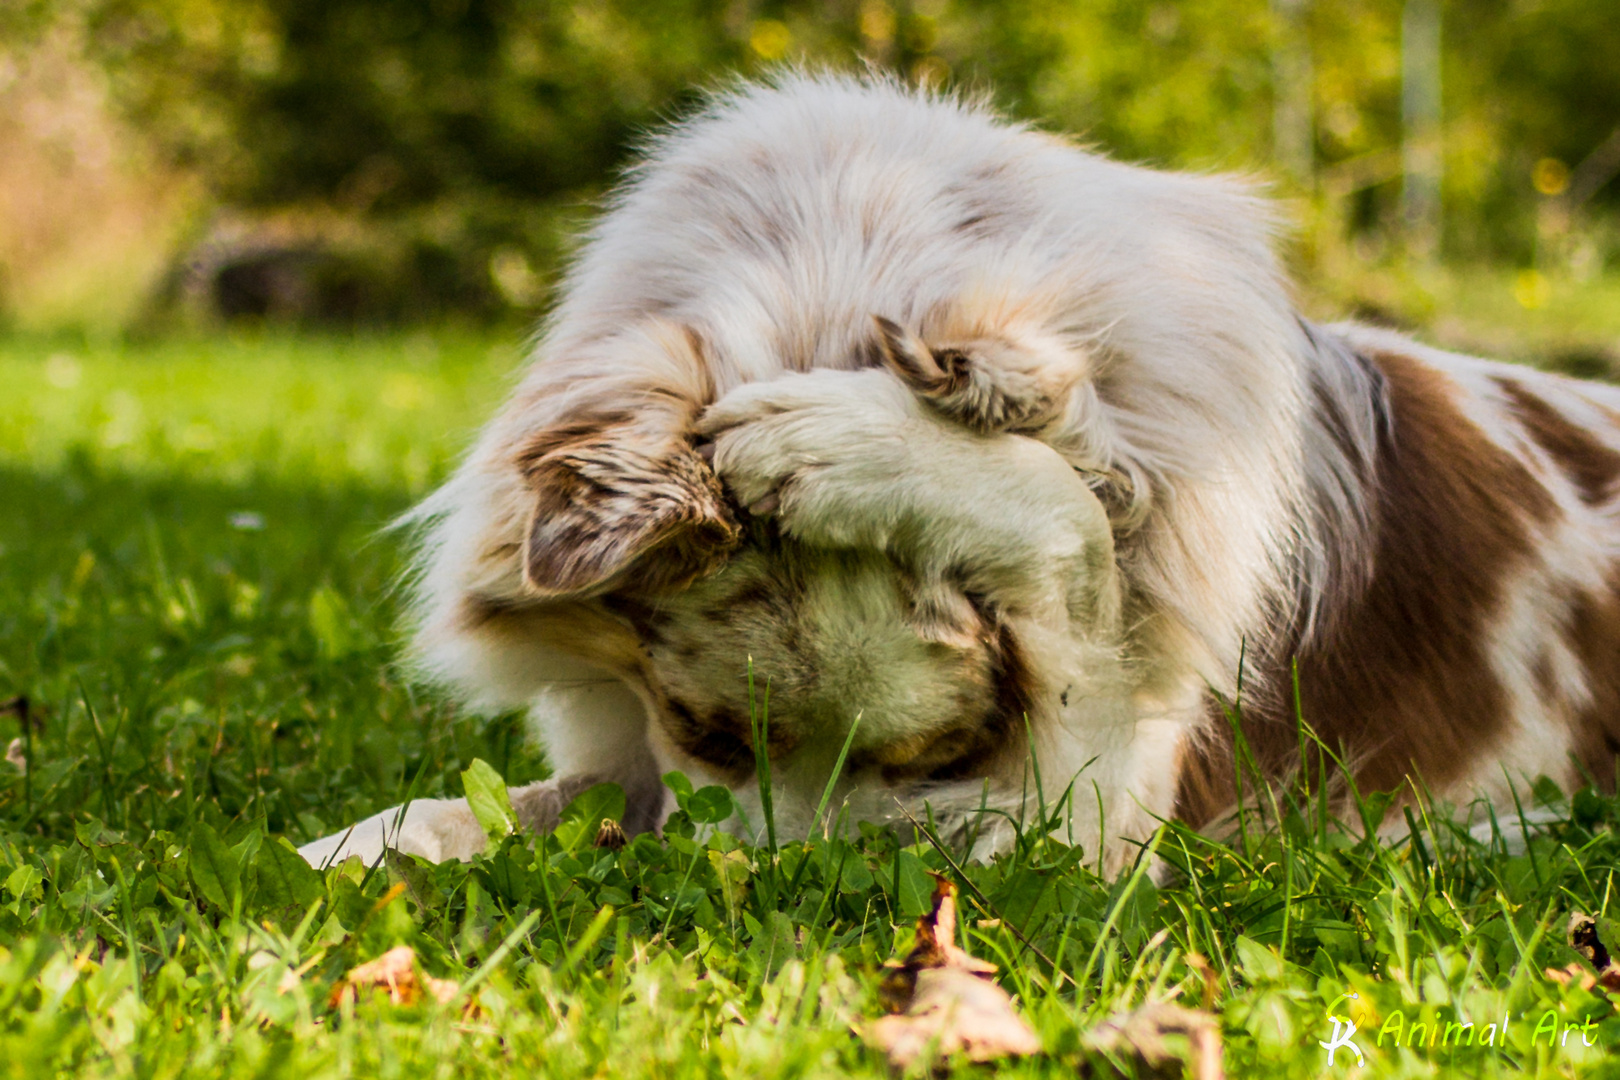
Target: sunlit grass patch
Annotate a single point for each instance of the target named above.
(203, 628)
(389, 411)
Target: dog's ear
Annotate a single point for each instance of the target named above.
(609, 512)
(621, 497)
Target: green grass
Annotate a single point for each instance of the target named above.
(196, 600)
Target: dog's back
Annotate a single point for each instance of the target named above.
(1061, 417)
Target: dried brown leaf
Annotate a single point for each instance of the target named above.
(444, 991)
(1571, 973)
(393, 971)
(1142, 1033)
(944, 999)
(954, 1011)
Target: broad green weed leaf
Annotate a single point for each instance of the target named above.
(283, 878)
(244, 849)
(916, 886)
(1588, 807)
(24, 880)
(487, 797)
(214, 868)
(507, 878)
(774, 944)
(734, 871)
(680, 785)
(856, 878)
(582, 818)
(1026, 893)
(1258, 961)
(417, 877)
(710, 805)
(1546, 792)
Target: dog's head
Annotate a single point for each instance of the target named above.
(804, 645)
(628, 537)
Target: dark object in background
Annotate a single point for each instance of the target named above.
(321, 271)
(287, 285)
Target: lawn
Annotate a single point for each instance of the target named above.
(196, 604)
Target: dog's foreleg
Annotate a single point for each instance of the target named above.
(436, 829)
(855, 460)
(442, 829)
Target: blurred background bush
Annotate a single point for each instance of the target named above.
(173, 163)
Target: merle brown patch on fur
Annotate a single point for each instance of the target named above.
(907, 356)
(1590, 465)
(1014, 678)
(962, 382)
(941, 610)
(1400, 679)
(579, 430)
(721, 738)
(938, 375)
(1329, 410)
(645, 617)
(603, 508)
(1593, 632)
(757, 592)
(1545, 676)
(1206, 780)
(699, 347)
(478, 611)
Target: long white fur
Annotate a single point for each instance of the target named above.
(774, 225)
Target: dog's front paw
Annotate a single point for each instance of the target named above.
(819, 451)
(436, 829)
(988, 385)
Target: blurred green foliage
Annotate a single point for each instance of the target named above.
(470, 137)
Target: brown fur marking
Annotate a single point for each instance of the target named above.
(1590, 465)
(1401, 680)
(1593, 632)
(578, 431)
(723, 737)
(583, 533)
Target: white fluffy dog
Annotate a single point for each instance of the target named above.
(1012, 459)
